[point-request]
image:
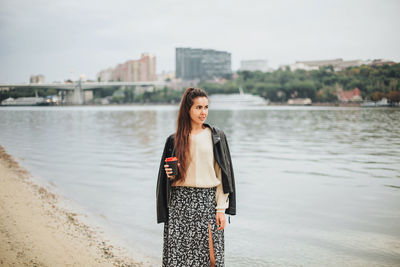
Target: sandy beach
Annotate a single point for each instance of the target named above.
(35, 230)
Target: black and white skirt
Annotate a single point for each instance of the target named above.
(186, 234)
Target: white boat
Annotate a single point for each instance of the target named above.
(300, 101)
(368, 104)
(238, 99)
(25, 101)
(381, 103)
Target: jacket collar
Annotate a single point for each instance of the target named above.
(215, 133)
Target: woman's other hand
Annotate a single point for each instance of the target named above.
(220, 220)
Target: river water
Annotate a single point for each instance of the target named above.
(316, 186)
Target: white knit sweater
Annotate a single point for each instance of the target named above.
(203, 171)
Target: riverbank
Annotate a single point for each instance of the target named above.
(36, 231)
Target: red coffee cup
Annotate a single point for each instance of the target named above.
(172, 163)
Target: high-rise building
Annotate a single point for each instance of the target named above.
(147, 64)
(203, 64)
(141, 70)
(105, 75)
(36, 78)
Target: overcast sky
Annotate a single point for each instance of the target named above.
(64, 39)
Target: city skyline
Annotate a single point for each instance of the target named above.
(65, 39)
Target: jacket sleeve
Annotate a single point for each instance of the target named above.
(232, 195)
(221, 197)
(161, 191)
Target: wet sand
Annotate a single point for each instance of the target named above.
(35, 230)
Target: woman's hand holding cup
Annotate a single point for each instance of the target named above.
(169, 172)
(171, 168)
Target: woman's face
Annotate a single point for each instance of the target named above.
(199, 110)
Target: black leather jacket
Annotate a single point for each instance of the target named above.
(223, 158)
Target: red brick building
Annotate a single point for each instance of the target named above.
(350, 96)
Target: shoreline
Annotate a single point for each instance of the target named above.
(37, 230)
(271, 104)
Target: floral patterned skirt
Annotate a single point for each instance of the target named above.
(186, 234)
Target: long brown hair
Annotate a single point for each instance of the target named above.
(184, 127)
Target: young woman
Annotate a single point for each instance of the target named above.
(193, 203)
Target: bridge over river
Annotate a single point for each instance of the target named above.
(74, 91)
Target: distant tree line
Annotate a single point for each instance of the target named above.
(374, 82)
